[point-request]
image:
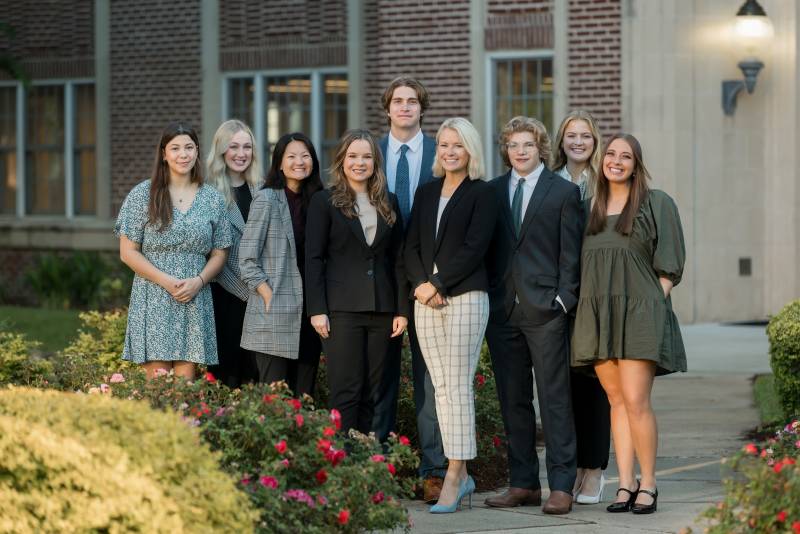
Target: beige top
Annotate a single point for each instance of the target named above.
(368, 216)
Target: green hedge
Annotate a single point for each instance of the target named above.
(784, 348)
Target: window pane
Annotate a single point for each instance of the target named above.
(287, 108)
(8, 149)
(84, 169)
(334, 118)
(44, 150)
(240, 100)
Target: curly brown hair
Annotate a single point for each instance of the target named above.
(525, 124)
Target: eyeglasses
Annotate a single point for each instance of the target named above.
(516, 147)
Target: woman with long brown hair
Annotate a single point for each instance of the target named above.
(173, 233)
(625, 330)
(356, 291)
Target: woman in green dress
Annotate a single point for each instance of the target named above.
(625, 330)
(174, 234)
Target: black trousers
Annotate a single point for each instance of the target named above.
(517, 346)
(300, 374)
(236, 365)
(356, 351)
(592, 421)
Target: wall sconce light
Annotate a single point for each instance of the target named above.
(752, 33)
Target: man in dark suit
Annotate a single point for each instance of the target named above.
(534, 273)
(408, 163)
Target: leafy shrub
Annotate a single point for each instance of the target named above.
(764, 493)
(18, 364)
(155, 446)
(784, 348)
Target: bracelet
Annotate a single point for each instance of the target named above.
(201, 279)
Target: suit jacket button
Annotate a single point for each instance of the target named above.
(369, 273)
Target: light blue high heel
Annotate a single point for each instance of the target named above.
(465, 489)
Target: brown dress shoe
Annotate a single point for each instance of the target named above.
(431, 488)
(516, 497)
(559, 502)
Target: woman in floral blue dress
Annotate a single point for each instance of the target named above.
(173, 233)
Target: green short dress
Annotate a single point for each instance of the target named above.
(159, 327)
(622, 312)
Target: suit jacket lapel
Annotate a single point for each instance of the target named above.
(384, 146)
(504, 202)
(235, 216)
(380, 232)
(428, 152)
(355, 227)
(286, 218)
(457, 195)
(539, 192)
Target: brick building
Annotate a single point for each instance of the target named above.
(107, 75)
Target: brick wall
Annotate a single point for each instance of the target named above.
(594, 61)
(53, 39)
(519, 24)
(155, 79)
(282, 34)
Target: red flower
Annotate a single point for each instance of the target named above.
(750, 449)
(377, 498)
(344, 516)
(335, 456)
(496, 442)
(210, 378)
(336, 419)
(324, 445)
(781, 516)
(285, 462)
(796, 527)
(294, 403)
(480, 380)
(378, 458)
(322, 476)
(245, 480)
(281, 446)
(391, 468)
(404, 441)
(268, 482)
(269, 397)
(328, 431)
(299, 420)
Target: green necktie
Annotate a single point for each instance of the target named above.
(516, 205)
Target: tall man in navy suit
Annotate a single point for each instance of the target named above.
(408, 159)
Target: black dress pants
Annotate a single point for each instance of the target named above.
(516, 347)
(592, 421)
(356, 351)
(236, 365)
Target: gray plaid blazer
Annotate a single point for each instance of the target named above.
(229, 277)
(267, 254)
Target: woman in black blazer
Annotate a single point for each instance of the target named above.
(356, 291)
(451, 226)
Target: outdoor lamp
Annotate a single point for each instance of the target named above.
(752, 33)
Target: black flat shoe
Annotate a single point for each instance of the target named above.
(646, 508)
(623, 506)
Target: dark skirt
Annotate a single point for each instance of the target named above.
(236, 365)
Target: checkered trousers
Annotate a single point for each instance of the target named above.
(451, 339)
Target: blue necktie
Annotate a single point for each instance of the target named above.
(402, 185)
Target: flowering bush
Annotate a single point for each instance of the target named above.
(764, 496)
(784, 348)
(18, 365)
(86, 463)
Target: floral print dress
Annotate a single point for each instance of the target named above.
(159, 327)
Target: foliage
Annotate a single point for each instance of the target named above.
(101, 339)
(784, 348)
(54, 329)
(17, 363)
(764, 494)
(766, 399)
(79, 279)
(99, 464)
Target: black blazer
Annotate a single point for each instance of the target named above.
(459, 247)
(343, 273)
(545, 260)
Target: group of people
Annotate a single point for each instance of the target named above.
(565, 264)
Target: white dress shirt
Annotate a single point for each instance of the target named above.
(414, 157)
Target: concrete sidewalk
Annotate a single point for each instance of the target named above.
(701, 414)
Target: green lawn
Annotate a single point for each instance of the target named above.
(53, 328)
(769, 407)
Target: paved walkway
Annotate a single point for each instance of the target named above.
(701, 414)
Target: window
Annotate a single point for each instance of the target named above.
(519, 86)
(47, 144)
(277, 103)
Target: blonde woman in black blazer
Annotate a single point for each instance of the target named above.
(356, 291)
(451, 227)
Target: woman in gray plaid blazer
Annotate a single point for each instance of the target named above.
(234, 170)
(271, 257)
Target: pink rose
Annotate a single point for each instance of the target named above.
(268, 482)
(281, 446)
(117, 378)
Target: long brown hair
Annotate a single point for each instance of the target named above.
(343, 196)
(636, 196)
(159, 209)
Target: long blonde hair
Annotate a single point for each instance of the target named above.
(595, 161)
(215, 162)
(343, 196)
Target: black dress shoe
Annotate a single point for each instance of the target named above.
(646, 508)
(623, 506)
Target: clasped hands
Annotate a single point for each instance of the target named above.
(184, 290)
(428, 295)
